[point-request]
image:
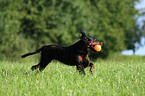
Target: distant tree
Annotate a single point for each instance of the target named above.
(11, 42)
(117, 24)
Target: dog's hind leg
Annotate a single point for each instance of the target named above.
(35, 67)
(44, 61)
(43, 64)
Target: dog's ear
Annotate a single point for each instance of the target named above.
(83, 33)
(84, 36)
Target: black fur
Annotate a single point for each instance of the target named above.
(74, 55)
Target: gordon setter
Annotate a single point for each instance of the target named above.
(73, 55)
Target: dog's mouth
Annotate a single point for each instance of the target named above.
(93, 44)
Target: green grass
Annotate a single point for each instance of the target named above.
(120, 76)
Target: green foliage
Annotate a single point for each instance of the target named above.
(28, 24)
(120, 76)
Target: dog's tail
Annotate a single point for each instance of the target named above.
(31, 53)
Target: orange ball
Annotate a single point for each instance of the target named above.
(97, 47)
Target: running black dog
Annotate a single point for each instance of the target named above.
(74, 55)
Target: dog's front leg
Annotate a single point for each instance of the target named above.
(92, 67)
(87, 63)
(80, 68)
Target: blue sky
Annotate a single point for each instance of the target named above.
(140, 5)
(141, 49)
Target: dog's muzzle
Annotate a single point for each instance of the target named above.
(92, 44)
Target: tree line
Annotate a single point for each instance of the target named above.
(26, 25)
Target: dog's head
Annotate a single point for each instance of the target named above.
(90, 41)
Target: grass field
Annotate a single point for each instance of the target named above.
(119, 76)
